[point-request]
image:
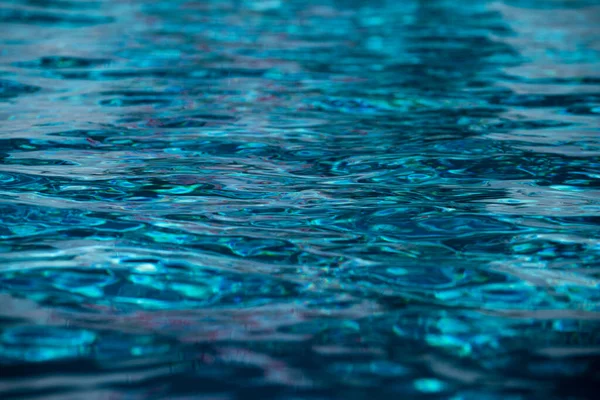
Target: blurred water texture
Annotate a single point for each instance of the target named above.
(333, 199)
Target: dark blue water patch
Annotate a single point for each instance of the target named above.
(132, 102)
(549, 100)
(59, 4)
(157, 73)
(43, 18)
(60, 62)
(585, 109)
(10, 89)
(551, 4)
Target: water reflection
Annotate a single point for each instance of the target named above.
(294, 199)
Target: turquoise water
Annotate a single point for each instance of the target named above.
(300, 200)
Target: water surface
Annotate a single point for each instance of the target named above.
(333, 199)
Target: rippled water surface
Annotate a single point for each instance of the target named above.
(333, 199)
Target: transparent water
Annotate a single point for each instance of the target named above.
(299, 199)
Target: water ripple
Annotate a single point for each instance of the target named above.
(234, 199)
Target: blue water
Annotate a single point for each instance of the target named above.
(296, 199)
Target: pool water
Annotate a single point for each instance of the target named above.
(297, 199)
